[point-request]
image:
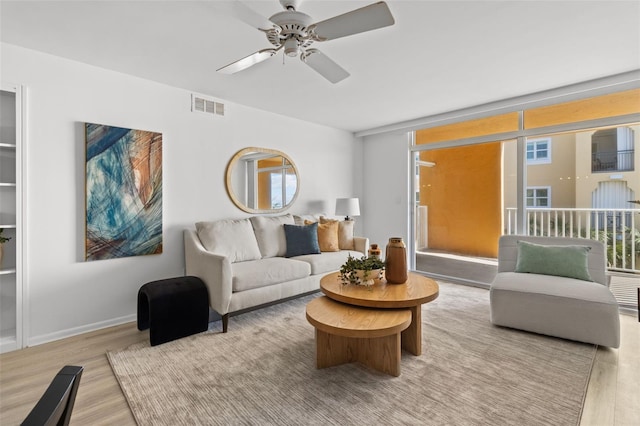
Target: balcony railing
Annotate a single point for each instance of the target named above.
(618, 229)
(612, 161)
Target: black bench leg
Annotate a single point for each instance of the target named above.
(225, 323)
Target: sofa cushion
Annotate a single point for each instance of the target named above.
(264, 272)
(328, 261)
(552, 286)
(231, 238)
(564, 261)
(556, 306)
(301, 239)
(270, 234)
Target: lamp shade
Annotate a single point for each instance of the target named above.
(347, 207)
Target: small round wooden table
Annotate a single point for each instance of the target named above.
(348, 333)
(412, 294)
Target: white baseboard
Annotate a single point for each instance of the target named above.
(8, 344)
(62, 334)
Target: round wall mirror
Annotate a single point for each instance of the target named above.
(262, 180)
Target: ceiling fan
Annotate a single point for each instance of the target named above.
(294, 32)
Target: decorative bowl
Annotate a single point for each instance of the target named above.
(367, 277)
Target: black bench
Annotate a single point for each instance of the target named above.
(173, 308)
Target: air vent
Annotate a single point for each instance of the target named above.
(207, 106)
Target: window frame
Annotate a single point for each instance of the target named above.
(535, 197)
(610, 85)
(536, 160)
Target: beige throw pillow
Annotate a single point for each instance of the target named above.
(345, 232)
(345, 235)
(327, 220)
(327, 235)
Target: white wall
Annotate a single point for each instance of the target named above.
(66, 295)
(386, 188)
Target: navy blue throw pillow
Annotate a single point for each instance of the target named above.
(301, 239)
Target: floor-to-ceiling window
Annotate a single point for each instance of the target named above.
(459, 208)
(563, 168)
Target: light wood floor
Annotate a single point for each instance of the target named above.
(613, 396)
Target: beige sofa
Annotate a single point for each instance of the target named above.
(250, 262)
(540, 288)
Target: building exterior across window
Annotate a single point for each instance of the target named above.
(539, 196)
(539, 151)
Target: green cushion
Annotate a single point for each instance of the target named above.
(563, 261)
(301, 239)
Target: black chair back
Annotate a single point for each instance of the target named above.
(55, 406)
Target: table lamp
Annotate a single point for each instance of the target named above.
(347, 207)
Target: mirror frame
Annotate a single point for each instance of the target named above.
(228, 177)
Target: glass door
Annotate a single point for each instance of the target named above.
(460, 194)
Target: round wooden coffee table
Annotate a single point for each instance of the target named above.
(412, 294)
(348, 333)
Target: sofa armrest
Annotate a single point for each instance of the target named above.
(213, 269)
(361, 244)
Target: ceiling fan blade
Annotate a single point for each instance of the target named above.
(374, 16)
(244, 13)
(324, 65)
(248, 61)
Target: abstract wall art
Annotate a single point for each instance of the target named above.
(123, 192)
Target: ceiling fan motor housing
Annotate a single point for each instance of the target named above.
(292, 31)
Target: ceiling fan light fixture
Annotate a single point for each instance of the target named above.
(291, 47)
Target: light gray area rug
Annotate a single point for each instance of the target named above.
(262, 372)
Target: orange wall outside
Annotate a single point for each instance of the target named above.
(463, 195)
(264, 191)
(264, 182)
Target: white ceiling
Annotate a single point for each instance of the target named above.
(439, 56)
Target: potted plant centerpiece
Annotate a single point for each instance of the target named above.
(362, 271)
(2, 241)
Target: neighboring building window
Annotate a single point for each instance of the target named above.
(612, 150)
(539, 151)
(539, 196)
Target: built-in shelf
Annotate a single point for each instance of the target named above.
(11, 198)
